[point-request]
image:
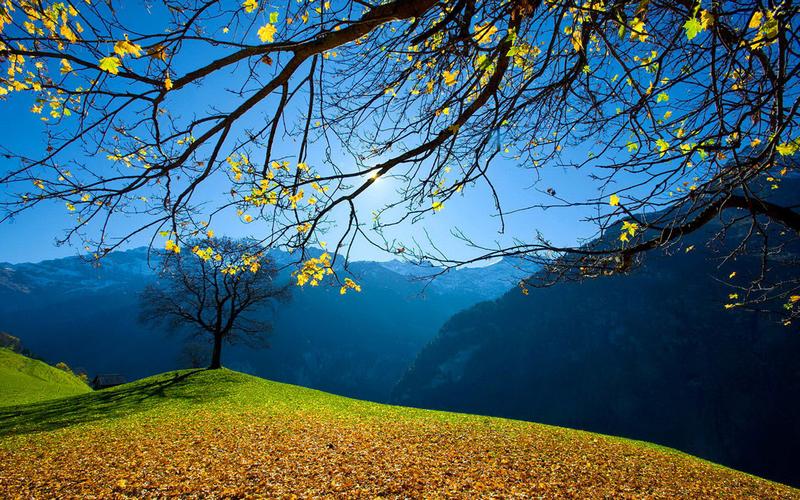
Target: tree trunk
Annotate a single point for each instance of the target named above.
(215, 355)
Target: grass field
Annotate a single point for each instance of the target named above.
(24, 380)
(225, 434)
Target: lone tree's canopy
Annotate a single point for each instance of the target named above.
(672, 110)
(220, 294)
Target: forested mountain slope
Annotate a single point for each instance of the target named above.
(654, 355)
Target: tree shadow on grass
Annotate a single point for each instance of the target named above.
(109, 403)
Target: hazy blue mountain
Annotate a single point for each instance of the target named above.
(357, 345)
(653, 356)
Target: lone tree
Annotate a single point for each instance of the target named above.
(674, 114)
(216, 294)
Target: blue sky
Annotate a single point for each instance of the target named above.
(31, 237)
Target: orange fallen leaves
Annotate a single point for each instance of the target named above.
(316, 455)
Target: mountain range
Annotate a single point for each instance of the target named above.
(356, 345)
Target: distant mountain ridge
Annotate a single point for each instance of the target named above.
(129, 266)
(356, 345)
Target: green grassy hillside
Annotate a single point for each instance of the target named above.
(225, 434)
(24, 380)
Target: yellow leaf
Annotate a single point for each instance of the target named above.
(788, 148)
(110, 64)
(755, 21)
(125, 47)
(170, 246)
(349, 284)
(250, 5)
(450, 77)
(663, 146)
(638, 31)
(706, 18)
(577, 42)
(267, 33)
(483, 33)
(629, 228)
